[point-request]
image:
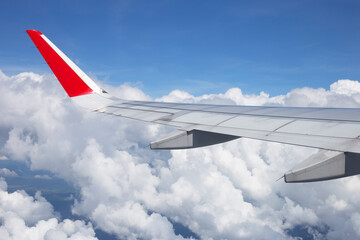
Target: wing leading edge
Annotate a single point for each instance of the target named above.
(334, 130)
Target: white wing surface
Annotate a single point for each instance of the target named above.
(335, 130)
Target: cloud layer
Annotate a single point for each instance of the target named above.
(223, 191)
(26, 217)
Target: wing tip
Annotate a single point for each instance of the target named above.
(33, 31)
(74, 81)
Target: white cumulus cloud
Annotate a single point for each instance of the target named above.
(225, 191)
(26, 217)
(4, 172)
(45, 176)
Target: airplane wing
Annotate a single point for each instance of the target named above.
(334, 130)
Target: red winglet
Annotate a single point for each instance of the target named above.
(71, 82)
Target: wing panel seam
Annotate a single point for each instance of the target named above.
(285, 124)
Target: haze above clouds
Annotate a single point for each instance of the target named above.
(222, 191)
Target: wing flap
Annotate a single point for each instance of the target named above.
(206, 118)
(256, 123)
(322, 128)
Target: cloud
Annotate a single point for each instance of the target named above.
(26, 217)
(119, 184)
(223, 191)
(47, 177)
(346, 87)
(4, 172)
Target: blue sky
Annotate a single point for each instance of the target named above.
(197, 46)
(82, 162)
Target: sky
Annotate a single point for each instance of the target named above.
(66, 173)
(200, 47)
